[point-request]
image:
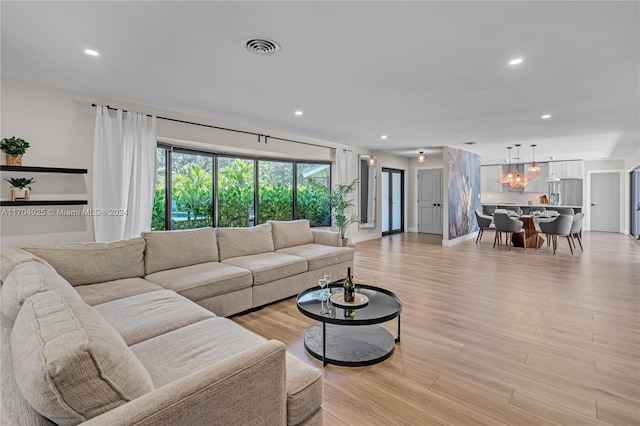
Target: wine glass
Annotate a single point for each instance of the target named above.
(322, 282)
(327, 277)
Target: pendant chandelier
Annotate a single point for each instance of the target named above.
(421, 157)
(506, 174)
(518, 179)
(534, 172)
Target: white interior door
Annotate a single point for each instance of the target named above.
(605, 202)
(430, 201)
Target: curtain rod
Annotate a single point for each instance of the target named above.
(259, 135)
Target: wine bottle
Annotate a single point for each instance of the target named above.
(349, 287)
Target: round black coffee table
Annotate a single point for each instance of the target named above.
(350, 337)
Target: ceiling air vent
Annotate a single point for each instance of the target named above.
(262, 46)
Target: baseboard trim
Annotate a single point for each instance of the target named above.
(449, 243)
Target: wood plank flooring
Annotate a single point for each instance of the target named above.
(490, 336)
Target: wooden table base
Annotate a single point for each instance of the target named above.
(532, 239)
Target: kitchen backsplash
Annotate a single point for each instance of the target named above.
(511, 197)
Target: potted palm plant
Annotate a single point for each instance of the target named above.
(341, 206)
(15, 149)
(20, 188)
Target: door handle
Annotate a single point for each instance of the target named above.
(593, 204)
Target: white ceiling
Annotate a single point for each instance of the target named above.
(428, 74)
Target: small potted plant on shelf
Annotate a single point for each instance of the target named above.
(15, 149)
(20, 188)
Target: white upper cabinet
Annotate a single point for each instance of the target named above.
(567, 169)
(490, 179)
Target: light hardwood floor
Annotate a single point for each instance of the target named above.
(490, 336)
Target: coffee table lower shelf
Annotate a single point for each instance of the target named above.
(348, 345)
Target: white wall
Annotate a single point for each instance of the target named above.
(59, 125)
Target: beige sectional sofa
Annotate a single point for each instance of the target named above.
(109, 334)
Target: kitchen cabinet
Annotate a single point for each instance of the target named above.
(567, 169)
(490, 179)
(538, 185)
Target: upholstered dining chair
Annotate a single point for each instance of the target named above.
(576, 229)
(567, 211)
(509, 226)
(560, 226)
(484, 222)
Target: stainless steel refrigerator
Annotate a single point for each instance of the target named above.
(570, 192)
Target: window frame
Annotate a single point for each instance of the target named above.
(171, 148)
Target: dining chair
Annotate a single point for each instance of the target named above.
(576, 229)
(559, 227)
(509, 226)
(567, 211)
(484, 222)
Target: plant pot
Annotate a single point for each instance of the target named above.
(345, 242)
(14, 160)
(19, 194)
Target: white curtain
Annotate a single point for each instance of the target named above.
(343, 164)
(124, 152)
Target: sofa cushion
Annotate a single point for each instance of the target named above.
(290, 233)
(304, 390)
(69, 363)
(235, 242)
(141, 317)
(10, 257)
(94, 294)
(175, 249)
(30, 278)
(89, 263)
(319, 256)
(174, 355)
(267, 267)
(202, 281)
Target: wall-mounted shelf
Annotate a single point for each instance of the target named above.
(43, 203)
(34, 169)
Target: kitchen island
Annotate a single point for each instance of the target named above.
(489, 208)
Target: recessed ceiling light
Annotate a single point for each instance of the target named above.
(546, 116)
(384, 137)
(91, 52)
(299, 112)
(515, 61)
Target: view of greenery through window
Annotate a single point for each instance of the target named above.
(192, 191)
(235, 192)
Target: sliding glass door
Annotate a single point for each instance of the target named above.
(392, 201)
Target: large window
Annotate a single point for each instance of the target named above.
(312, 193)
(275, 191)
(159, 200)
(197, 189)
(191, 191)
(235, 192)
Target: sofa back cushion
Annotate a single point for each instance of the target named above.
(27, 279)
(291, 233)
(175, 249)
(90, 263)
(70, 364)
(235, 242)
